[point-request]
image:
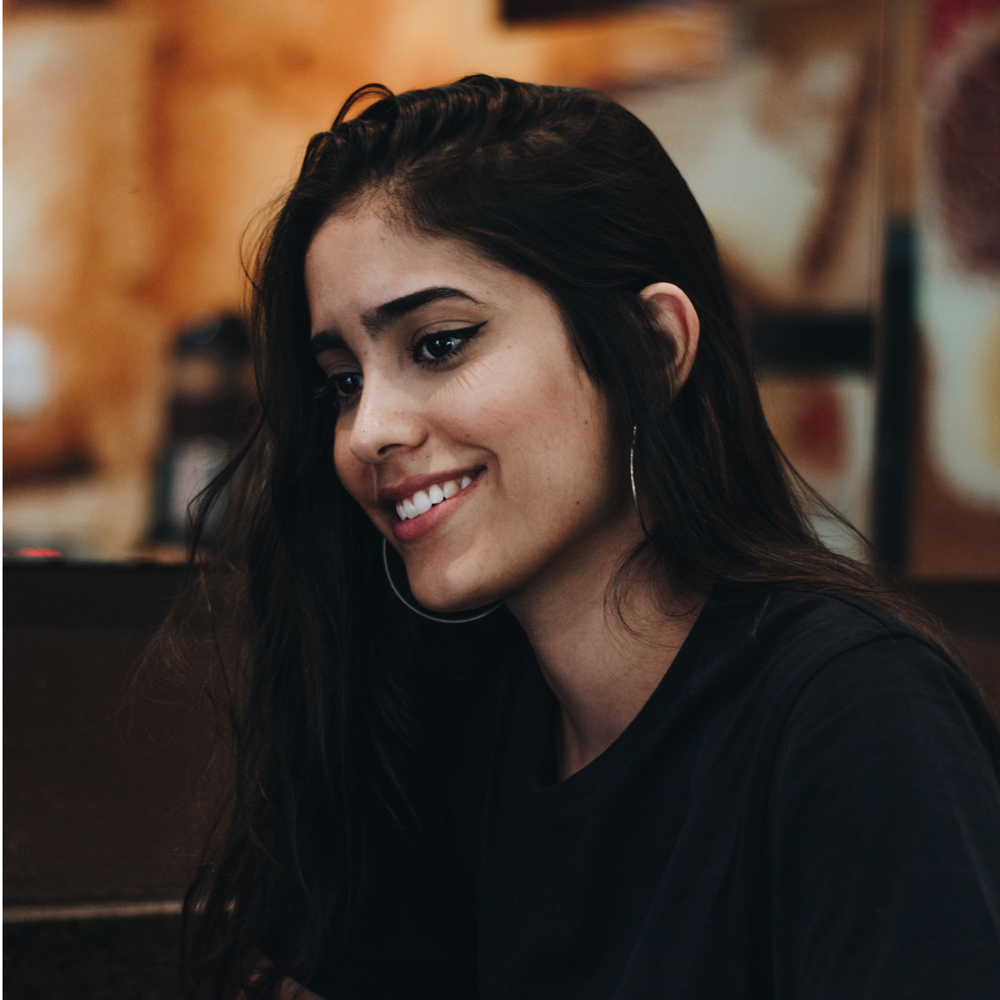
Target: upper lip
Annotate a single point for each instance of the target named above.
(390, 495)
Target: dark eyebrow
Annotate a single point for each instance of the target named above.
(327, 340)
(377, 319)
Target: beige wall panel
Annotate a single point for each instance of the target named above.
(233, 154)
(81, 237)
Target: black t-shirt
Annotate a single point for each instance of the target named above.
(806, 808)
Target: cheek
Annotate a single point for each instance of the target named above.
(549, 427)
(527, 382)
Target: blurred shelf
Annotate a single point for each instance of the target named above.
(59, 594)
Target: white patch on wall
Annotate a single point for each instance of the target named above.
(193, 464)
(825, 426)
(27, 372)
(960, 321)
(850, 491)
(756, 145)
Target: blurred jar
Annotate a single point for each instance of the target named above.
(212, 391)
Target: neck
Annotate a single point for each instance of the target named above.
(602, 658)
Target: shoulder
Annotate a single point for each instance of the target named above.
(828, 624)
(829, 664)
(815, 642)
(868, 694)
(843, 642)
(882, 810)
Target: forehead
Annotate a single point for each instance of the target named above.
(358, 260)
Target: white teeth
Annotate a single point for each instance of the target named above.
(423, 500)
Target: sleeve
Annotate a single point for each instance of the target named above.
(885, 834)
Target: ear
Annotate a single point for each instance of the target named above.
(676, 317)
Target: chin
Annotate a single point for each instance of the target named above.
(450, 597)
(448, 601)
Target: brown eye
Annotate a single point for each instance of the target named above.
(443, 345)
(344, 385)
(439, 346)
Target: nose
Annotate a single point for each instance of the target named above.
(386, 418)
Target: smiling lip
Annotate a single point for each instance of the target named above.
(427, 489)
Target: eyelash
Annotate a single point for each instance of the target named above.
(463, 336)
(330, 391)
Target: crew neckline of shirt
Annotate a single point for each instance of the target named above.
(551, 793)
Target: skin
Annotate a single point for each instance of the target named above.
(550, 515)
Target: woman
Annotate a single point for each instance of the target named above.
(545, 688)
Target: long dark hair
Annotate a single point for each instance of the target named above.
(333, 705)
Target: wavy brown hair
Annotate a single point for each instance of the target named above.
(335, 710)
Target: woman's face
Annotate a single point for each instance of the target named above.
(468, 429)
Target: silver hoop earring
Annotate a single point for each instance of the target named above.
(420, 611)
(631, 474)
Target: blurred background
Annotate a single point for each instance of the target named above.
(846, 153)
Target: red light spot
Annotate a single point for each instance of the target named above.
(37, 553)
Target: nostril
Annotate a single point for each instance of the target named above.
(383, 422)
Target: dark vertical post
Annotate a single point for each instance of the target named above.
(895, 361)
